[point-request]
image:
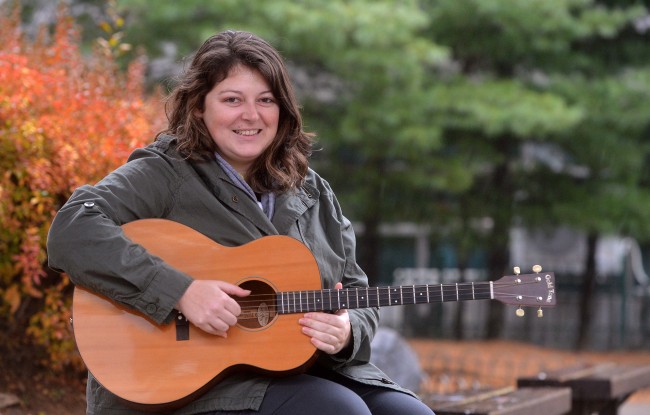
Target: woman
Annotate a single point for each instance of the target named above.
(233, 165)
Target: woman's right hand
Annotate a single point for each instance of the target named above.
(208, 304)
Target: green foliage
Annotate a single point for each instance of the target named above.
(428, 110)
(449, 112)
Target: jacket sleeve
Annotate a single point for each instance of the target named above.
(363, 321)
(86, 241)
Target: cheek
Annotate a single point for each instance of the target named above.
(215, 122)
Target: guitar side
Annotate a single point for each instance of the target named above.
(143, 362)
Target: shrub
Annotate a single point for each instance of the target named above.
(66, 119)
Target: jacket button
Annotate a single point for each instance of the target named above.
(89, 205)
(151, 308)
(235, 199)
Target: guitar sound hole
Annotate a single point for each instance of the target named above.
(258, 309)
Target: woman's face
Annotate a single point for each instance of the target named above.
(242, 116)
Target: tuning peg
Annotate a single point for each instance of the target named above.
(540, 312)
(517, 270)
(537, 268)
(520, 312)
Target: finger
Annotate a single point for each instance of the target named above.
(233, 309)
(232, 289)
(212, 329)
(229, 319)
(323, 346)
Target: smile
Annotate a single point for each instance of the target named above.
(247, 132)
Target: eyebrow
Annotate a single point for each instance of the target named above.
(230, 91)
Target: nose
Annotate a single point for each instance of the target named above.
(249, 112)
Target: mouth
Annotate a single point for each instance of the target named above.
(247, 132)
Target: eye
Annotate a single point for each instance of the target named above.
(267, 100)
(231, 100)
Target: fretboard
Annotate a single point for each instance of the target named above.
(349, 298)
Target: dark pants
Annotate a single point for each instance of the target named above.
(311, 395)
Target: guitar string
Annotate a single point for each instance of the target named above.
(434, 289)
(273, 309)
(383, 292)
(378, 296)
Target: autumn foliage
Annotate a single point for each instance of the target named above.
(66, 119)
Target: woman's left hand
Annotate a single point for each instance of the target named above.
(330, 333)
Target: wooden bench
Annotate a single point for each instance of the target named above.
(505, 401)
(595, 388)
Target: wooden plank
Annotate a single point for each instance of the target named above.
(464, 397)
(523, 401)
(597, 382)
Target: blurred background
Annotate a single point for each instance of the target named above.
(462, 138)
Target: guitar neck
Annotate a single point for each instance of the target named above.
(350, 298)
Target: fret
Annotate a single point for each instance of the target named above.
(408, 294)
(457, 292)
(300, 300)
(419, 294)
(466, 294)
(365, 299)
(449, 291)
(442, 294)
(384, 296)
(353, 302)
(373, 302)
(482, 291)
(401, 297)
(473, 293)
(428, 301)
(330, 297)
(284, 311)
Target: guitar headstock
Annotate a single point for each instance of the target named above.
(531, 290)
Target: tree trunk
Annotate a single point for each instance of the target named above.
(588, 292)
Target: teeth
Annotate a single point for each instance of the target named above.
(247, 132)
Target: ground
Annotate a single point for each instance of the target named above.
(39, 391)
(449, 366)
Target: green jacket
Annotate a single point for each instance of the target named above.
(86, 242)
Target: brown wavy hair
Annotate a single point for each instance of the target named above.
(284, 164)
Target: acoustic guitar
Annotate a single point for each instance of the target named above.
(154, 367)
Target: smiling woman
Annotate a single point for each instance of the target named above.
(232, 167)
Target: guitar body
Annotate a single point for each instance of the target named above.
(143, 362)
